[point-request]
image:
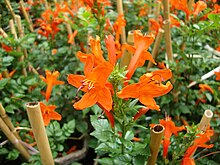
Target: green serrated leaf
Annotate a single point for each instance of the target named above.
(105, 161)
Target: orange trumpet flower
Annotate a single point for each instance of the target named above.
(200, 141)
(170, 129)
(141, 44)
(51, 80)
(198, 7)
(48, 113)
(93, 83)
(148, 88)
(217, 75)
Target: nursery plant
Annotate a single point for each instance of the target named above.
(109, 82)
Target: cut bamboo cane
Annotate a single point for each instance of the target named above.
(8, 122)
(206, 118)
(3, 33)
(26, 16)
(156, 47)
(126, 57)
(155, 141)
(12, 27)
(10, 8)
(157, 10)
(37, 124)
(167, 34)
(46, 4)
(21, 34)
(190, 4)
(11, 137)
(121, 12)
(5, 73)
(168, 41)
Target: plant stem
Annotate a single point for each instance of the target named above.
(123, 136)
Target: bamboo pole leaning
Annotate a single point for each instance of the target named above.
(157, 10)
(8, 122)
(156, 135)
(121, 12)
(156, 47)
(167, 33)
(10, 8)
(5, 73)
(26, 16)
(12, 138)
(37, 124)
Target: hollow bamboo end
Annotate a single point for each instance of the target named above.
(32, 105)
(130, 38)
(161, 30)
(208, 113)
(158, 129)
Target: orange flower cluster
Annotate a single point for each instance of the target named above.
(48, 112)
(200, 141)
(98, 90)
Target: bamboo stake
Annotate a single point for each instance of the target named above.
(3, 33)
(10, 8)
(167, 34)
(5, 73)
(126, 57)
(190, 4)
(46, 4)
(37, 124)
(206, 118)
(156, 47)
(21, 34)
(156, 137)
(11, 137)
(13, 30)
(8, 122)
(157, 10)
(26, 15)
(121, 12)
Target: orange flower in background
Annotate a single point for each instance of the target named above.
(154, 25)
(48, 113)
(217, 75)
(7, 48)
(143, 10)
(118, 25)
(200, 141)
(51, 80)
(71, 37)
(49, 23)
(205, 87)
(170, 129)
(198, 7)
(181, 5)
(141, 112)
(97, 53)
(148, 88)
(141, 44)
(93, 83)
(110, 45)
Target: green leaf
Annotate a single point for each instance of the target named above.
(139, 160)
(3, 82)
(3, 151)
(12, 155)
(105, 161)
(7, 59)
(129, 135)
(208, 96)
(9, 109)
